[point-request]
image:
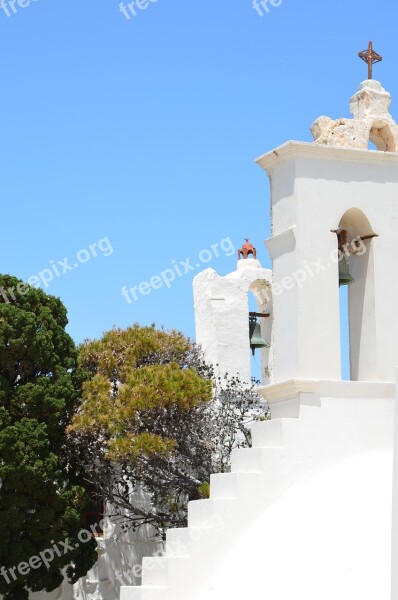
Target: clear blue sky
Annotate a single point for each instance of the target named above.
(144, 131)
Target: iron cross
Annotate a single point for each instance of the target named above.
(370, 57)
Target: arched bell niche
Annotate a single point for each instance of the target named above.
(357, 300)
(260, 302)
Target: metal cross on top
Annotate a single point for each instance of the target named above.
(371, 57)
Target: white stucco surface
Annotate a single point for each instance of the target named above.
(311, 510)
(394, 561)
(308, 511)
(305, 513)
(222, 316)
(314, 190)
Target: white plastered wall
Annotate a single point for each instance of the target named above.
(222, 316)
(394, 560)
(312, 188)
(305, 513)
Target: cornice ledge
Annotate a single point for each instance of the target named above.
(312, 150)
(286, 390)
(282, 242)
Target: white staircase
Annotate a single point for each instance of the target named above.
(305, 514)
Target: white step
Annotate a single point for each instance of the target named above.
(267, 434)
(256, 460)
(178, 541)
(275, 433)
(229, 485)
(159, 572)
(155, 571)
(246, 460)
(223, 486)
(144, 593)
(207, 513)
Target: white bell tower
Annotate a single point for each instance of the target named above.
(307, 511)
(222, 316)
(336, 184)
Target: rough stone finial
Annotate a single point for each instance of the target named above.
(372, 121)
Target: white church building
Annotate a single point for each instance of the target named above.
(307, 512)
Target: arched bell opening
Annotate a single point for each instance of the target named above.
(260, 330)
(355, 237)
(344, 333)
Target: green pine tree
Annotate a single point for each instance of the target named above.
(41, 497)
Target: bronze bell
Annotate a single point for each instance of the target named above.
(344, 272)
(256, 341)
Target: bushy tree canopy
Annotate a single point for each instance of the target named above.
(154, 418)
(41, 501)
